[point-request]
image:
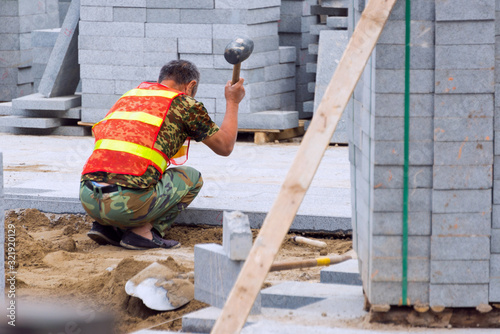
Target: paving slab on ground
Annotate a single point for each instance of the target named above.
(43, 172)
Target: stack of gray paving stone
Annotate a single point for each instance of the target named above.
(332, 41)
(17, 19)
(2, 235)
(451, 155)
(123, 43)
(295, 30)
(42, 43)
(55, 110)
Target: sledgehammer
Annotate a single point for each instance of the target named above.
(238, 50)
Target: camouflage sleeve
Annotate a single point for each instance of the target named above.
(197, 122)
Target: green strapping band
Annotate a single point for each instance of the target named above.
(404, 250)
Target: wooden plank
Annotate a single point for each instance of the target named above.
(262, 137)
(305, 164)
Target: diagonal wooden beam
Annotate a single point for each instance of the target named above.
(301, 173)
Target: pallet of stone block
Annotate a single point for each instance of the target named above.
(262, 136)
(484, 316)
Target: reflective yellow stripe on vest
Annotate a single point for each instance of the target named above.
(135, 116)
(135, 149)
(150, 92)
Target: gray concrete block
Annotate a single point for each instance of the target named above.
(465, 56)
(272, 119)
(96, 13)
(99, 100)
(10, 25)
(122, 58)
(461, 81)
(62, 73)
(115, 3)
(160, 45)
(130, 44)
(294, 295)
(421, 10)
(390, 293)
(463, 177)
(296, 24)
(390, 223)
(93, 115)
(463, 153)
(458, 295)
(118, 29)
(73, 113)
(9, 42)
(460, 248)
(246, 4)
(346, 273)
(494, 290)
(463, 105)
(392, 81)
(195, 45)
(383, 247)
(178, 30)
(224, 16)
(42, 55)
(215, 275)
(28, 23)
(5, 108)
(336, 22)
(44, 37)
(392, 105)
(332, 44)
(392, 57)
(39, 102)
(207, 4)
(236, 235)
(392, 177)
(495, 266)
(495, 241)
(422, 33)
(287, 54)
(392, 153)
(29, 122)
(460, 272)
(125, 14)
(461, 201)
(279, 71)
(460, 224)
(390, 269)
(95, 72)
(9, 8)
(495, 223)
(98, 86)
(163, 15)
(392, 128)
(254, 30)
(465, 32)
(463, 10)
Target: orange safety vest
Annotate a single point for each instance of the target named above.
(125, 138)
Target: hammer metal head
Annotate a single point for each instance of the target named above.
(238, 50)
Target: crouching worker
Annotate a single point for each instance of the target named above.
(127, 185)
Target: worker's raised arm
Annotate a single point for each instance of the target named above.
(222, 142)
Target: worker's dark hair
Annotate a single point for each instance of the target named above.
(181, 71)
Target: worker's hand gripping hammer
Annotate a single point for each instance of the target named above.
(237, 51)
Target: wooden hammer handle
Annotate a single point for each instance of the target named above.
(236, 73)
(321, 261)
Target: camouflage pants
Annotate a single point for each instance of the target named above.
(158, 205)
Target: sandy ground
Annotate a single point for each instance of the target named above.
(57, 262)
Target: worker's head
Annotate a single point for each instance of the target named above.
(181, 75)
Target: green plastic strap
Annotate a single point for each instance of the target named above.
(404, 250)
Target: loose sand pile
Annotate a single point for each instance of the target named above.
(57, 261)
